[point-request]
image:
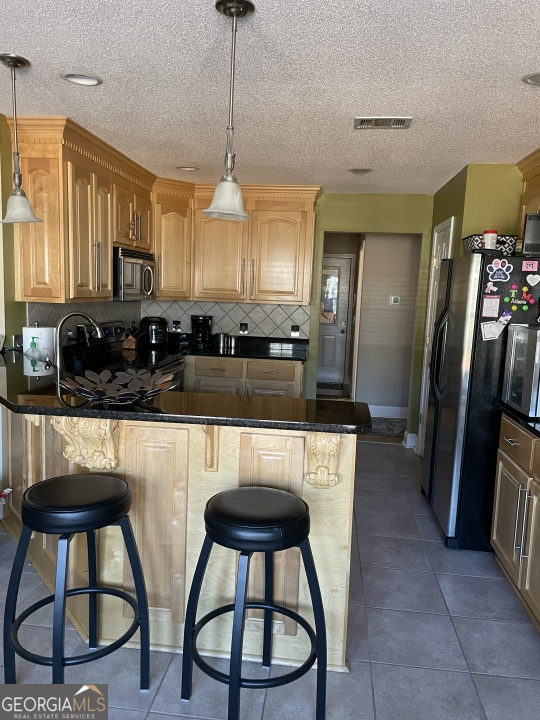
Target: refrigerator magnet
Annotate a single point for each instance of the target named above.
(529, 266)
(490, 306)
(489, 330)
(499, 270)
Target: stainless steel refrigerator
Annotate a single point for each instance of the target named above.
(479, 295)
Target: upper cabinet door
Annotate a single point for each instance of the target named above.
(89, 231)
(39, 247)
(220, 258)
(278, 256)
(103, 236)
(80, 230)
(124, 210)
(143, 222)
(173, 251)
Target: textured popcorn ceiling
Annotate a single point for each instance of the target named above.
(303, 72)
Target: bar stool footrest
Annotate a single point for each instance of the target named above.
(86, 657)
(248, 682)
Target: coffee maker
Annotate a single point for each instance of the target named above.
(201, 328)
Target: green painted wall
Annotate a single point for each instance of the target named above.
(450, 200)
(480, 197)
(373, 214)
(13, 314)
(492, 199)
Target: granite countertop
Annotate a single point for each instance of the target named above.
(22, 394)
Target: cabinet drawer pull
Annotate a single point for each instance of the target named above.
(218, 369)
(518, 505)
(522, 555)
(271, 372)
(512, 442)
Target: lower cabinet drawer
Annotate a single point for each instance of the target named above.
(516, 442)
(219, 367)
(271, 370)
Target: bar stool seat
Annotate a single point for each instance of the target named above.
(248, 520)
(67, 505)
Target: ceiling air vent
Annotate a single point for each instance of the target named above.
(381, 123)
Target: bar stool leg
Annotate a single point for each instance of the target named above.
(189, 622)
(59, 612)
(142, 600)
(239, 615)
(320, 627)
(268, 598)
(11, 604)
(92, 597)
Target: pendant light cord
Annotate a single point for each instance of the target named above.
(17, 177)
(229, 153)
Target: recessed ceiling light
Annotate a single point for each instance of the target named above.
(532, 79)
(81, 78)
(191, 168)
(360, 171)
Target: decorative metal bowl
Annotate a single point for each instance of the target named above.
(122, 388)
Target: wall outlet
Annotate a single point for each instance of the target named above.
(243, 328)
(295, 330)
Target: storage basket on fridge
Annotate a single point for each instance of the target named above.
(506, 244)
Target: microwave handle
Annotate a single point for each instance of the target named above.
(148, 268)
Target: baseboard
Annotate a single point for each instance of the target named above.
(388, 411)
(409, 440)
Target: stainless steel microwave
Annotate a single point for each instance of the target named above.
(134, 274)
(521, 383)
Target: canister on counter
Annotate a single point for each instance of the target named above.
(489, 240)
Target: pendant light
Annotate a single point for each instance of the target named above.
(227, 201)
(18, 208)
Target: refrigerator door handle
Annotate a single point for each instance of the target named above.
(437, 356)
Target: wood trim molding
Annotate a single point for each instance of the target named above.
(90, 442)
(211, 451)
(322, 459)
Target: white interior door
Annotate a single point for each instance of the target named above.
(440, 249)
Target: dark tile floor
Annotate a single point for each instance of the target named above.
(434, 634)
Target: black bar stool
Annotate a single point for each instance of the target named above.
(65, 506)
(255, 519)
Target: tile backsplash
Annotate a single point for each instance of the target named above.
(262, 320)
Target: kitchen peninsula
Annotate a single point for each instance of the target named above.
(176, 452)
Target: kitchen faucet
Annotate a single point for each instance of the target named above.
(59, 357)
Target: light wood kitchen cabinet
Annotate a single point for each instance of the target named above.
(241, 376)
(530, 198)
(220, 256)
(516, 512)
(132, 216)
(267, 259)
(72, 179)
(88, 195)
(173, 211)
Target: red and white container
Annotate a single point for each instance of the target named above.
(489, 240)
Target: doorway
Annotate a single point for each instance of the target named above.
(336, 326)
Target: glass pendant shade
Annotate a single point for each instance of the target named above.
(18, 208)
(227, 201)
